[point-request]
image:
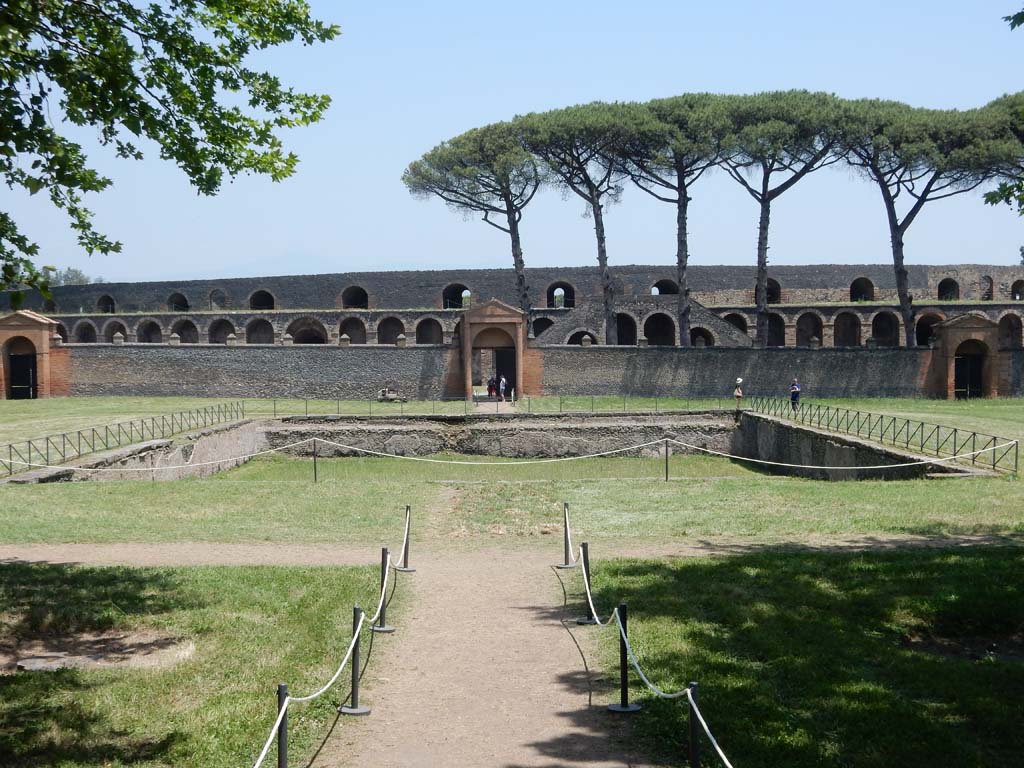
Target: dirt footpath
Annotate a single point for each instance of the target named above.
(482, 673)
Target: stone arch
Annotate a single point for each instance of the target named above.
(862, 289)
(307, 330)
(924, 328)
(773, 291)
(429, 331)
(84, 332)
(576, 337)
(625, 326)
(18, 358)
(540, 325)
(809, 326)
(177, 302)
(389, 329)
(218, 299)
(354, 328)
(1011, 332)
(259, 331)
(701, 337)
(455, 296)
(262, 300)
(948, 290)
(986, 288)
(885, 329)
(660, 330)
(62, 331)
(738, 321)
(846, 330)
(1017, 290)
(355, 297)
(149, 332)
(112, 327)
(665, 287)
(219, 331)
(106, 305)
(776, 330)
(567, 298)
(186, 330)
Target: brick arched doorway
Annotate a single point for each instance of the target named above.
(20, 371)
(499, 330)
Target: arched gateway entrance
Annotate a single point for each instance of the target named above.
(20, 369)
(498, 331)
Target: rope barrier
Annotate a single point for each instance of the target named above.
(640, 672)
(363, 619)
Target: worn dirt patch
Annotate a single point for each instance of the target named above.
(1007, 648)
(83, 650)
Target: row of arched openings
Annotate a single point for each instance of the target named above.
(305, 330)
(659, 329)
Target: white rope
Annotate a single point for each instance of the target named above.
(636, 665)
(568, 536)
(158, 469)
(523, 463)
(704, 725)
(273, 732)
(405, 540)
(817, 466)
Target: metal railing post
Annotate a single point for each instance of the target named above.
(694, 729)
(314, 461)
(623, 705)
(282, 729)
(666, 459)
(353, 707)
(566, 550)
(404, 567)
(382, 620)
(590, 618)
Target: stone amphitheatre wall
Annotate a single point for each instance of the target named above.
(427, 372)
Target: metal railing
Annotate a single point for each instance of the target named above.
(1000, 453)
(61, 447)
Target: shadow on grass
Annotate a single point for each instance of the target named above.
(42, 718)
(816, 658)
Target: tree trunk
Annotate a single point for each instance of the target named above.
(682, 257)
(611, 332)
(522, 290)
(761, 286)
(903, 288)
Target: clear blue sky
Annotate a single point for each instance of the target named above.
(406, 75)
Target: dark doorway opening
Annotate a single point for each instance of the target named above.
(505, 365)
(968, 371)
(21, 369)
(625, 325)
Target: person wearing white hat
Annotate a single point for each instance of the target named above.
(738, 394)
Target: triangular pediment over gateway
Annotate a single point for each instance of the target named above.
(27, 320)
(968, 321)
(494, 311)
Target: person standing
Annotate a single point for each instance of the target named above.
(738, 394)
(502, 383)
(794, 395)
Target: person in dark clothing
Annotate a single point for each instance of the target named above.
(794, 395)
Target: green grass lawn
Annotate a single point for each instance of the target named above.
(362, 501)
(252, 628)
(866, 660)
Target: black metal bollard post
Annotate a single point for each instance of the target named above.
(382, 620)
(314, 461)
(404, 568)
(623, 705)
(307, 406)
(590, 618)
(282, 729)
(694, 730)
(567, 552)
(666, 459)
(354, 707)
